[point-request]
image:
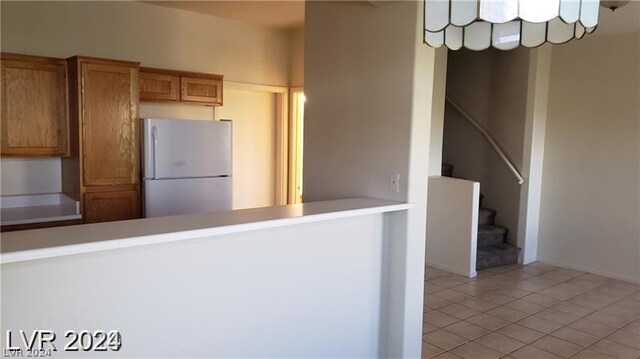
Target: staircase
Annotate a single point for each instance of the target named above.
(493, 249)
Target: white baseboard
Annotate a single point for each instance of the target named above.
(453, 270)
(590, 270)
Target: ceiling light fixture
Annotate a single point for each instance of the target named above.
(613, 4)
(507, 24)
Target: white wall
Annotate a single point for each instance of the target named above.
(452, 225)
(30, 176)
(492, 87)
(254, 146)
(590, 206)
(305, 290)
(369, 81)
(533, 152)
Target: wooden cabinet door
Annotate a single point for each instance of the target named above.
(159, 87)
(34, 106)
(105, 206)
(109, 124)
(197, 89)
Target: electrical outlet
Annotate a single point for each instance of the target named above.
(394, 182)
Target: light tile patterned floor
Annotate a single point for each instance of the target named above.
(530, 312)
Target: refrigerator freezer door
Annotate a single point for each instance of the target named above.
(186, 196)
(186, 148)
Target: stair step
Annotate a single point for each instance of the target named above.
(486, 216)
(447, 170)
(490, 235)
(496, 255)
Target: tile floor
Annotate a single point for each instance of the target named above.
(535, 311)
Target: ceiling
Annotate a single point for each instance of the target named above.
(624, 19)
(289, 14)
(281, 14)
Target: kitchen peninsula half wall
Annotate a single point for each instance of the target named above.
(329, 256)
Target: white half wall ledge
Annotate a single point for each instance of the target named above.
(452, 225)
(35, 244)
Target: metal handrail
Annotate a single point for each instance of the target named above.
(490, 139)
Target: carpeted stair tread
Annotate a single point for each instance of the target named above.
(492, 248)
(491, 235)
(486, 216)
(496, 255)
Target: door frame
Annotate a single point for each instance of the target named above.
(296, 120)
(282, 134)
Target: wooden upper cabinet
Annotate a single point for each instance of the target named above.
(171, 85)
(109, 101)
(34, 106)
(158, 86)
(198, 89)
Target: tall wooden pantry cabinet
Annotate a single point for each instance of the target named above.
(103, 168)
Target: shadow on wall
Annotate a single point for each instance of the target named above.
(491, 86)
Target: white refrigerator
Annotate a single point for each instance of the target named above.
(186, 167)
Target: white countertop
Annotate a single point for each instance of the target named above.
(53, 242)
(38, 208)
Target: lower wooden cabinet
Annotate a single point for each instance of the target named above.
(104, 205)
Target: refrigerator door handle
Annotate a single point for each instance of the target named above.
(154, 135)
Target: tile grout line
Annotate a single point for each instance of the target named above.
(511, 282)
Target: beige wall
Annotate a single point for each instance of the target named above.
(254, 146)
(590, 209)
(161, 37)
(297, 57)
(437, 113)
(176, 110)
(492, 87)
(369, 81)
(30, 176)
(358, 108)
(157, 36)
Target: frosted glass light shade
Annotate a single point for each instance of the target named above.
(507, 24)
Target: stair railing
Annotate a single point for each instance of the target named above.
(490, 139)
